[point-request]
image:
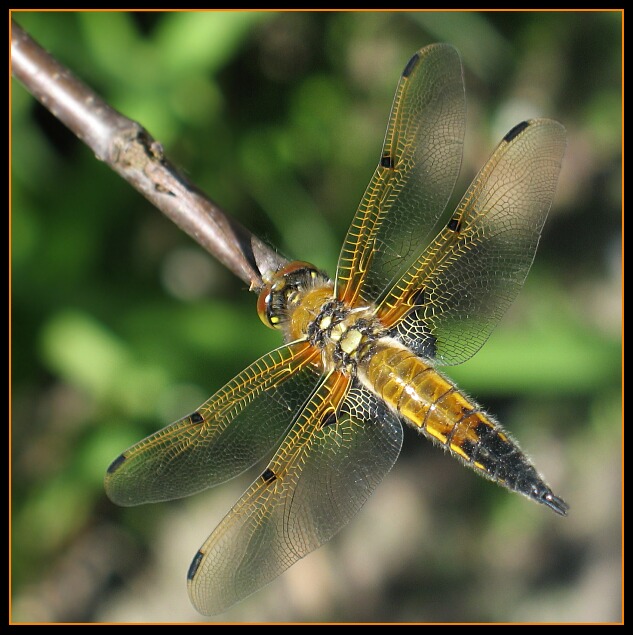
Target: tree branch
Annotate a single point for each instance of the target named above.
(134, 154)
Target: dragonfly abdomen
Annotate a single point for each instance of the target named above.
(429, 402)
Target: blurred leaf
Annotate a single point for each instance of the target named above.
(191, 41)
(86, 354)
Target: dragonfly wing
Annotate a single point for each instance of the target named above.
(453, 296)
(410, 188)
(341, 446)
(229, 433)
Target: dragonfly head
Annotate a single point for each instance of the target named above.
(284, 289)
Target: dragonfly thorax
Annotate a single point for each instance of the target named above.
(345, 335)
(300, 300)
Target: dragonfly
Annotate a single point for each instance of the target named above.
(361, 351)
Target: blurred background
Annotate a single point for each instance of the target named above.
(122, 324)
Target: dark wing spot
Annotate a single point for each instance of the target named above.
(418, 297)
(193, 567)
(454, 225)
(269, 476)
(411, 64)
(328, 420)
(196, 418)
(518, 129)
(386, 161)
(114, 466)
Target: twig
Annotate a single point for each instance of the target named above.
(131, 151)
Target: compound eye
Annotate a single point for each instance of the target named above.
(264, 308)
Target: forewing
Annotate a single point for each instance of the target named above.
(230, 432)
(456, 292)
(410, 188)
(329, 464)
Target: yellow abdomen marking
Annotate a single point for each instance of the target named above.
(426, 399)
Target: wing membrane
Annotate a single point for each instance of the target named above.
(226, 435)
(339, 449)
(460, 287)
(416, 174)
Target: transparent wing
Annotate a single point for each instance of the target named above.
(450, 300)
(410, 188)
(228, 434)
(338, 450)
